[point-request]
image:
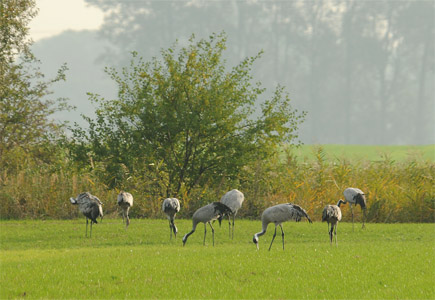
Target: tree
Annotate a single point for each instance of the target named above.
(24, 112)
(188, 116)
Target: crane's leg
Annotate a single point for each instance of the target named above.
(364, 216)
(234, 217)
(90, 235)
(282, 234)
(351, 210)
(86, 227)
(212, 231)
(329, 230)
(335, 233)
(274, 235)
(127, 222)
(330, 233)
(170, 230)
(229, 226)
(205, 232)
(174, 228)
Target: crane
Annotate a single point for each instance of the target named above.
(278, 214)
(170, 207)
(332, 214)
(90, 206)
(205, 215)
(355, 196)
(125, 201)
(233, 199)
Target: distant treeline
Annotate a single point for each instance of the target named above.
(364, 70)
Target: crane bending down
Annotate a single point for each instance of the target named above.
(278, 214)
(332, 214)
(205, 215)
(90, 206)
(125, 201)
(170, 207)
(355, 196)
(233, 199)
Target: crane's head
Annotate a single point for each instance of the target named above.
(340, 202)
(255, 240)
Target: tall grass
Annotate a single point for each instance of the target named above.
(397, 191)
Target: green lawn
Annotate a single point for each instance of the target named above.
(53, 259)
(366, 152)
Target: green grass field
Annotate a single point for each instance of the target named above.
(53, 259)
(367, 152)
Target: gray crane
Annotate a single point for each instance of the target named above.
(233, 199)
(332, 214)
(170, 207)
(355, 196)
(278, 214)
(205, 215)
(90, 206)
(125, 201)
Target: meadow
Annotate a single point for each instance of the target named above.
(373, 153)
(54, 259)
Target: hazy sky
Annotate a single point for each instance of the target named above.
(55, 16)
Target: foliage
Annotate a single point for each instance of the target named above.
(26, 127)
(187, 116)
(15, 17)
(53, 259)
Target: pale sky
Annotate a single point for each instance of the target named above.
(56, 16)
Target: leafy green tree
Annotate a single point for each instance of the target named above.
(24, 110)
(188, 116)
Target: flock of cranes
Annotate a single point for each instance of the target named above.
(91, 207)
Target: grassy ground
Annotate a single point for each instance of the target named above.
(366, 152)
(53, 259)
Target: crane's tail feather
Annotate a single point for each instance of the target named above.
(300, 212)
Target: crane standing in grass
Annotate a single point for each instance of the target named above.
(125, 201)
(332, 214)
(205, 215)
(90, 206)
(233, 199)
(278, 214)
(170, 207)
(355, 196)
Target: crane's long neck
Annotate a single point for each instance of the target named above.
(264, 227)
(188, 234)
(340, 202)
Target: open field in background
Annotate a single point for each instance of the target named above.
(367, 152)
(53, 259)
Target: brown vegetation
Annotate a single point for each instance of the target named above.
(396, 191)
